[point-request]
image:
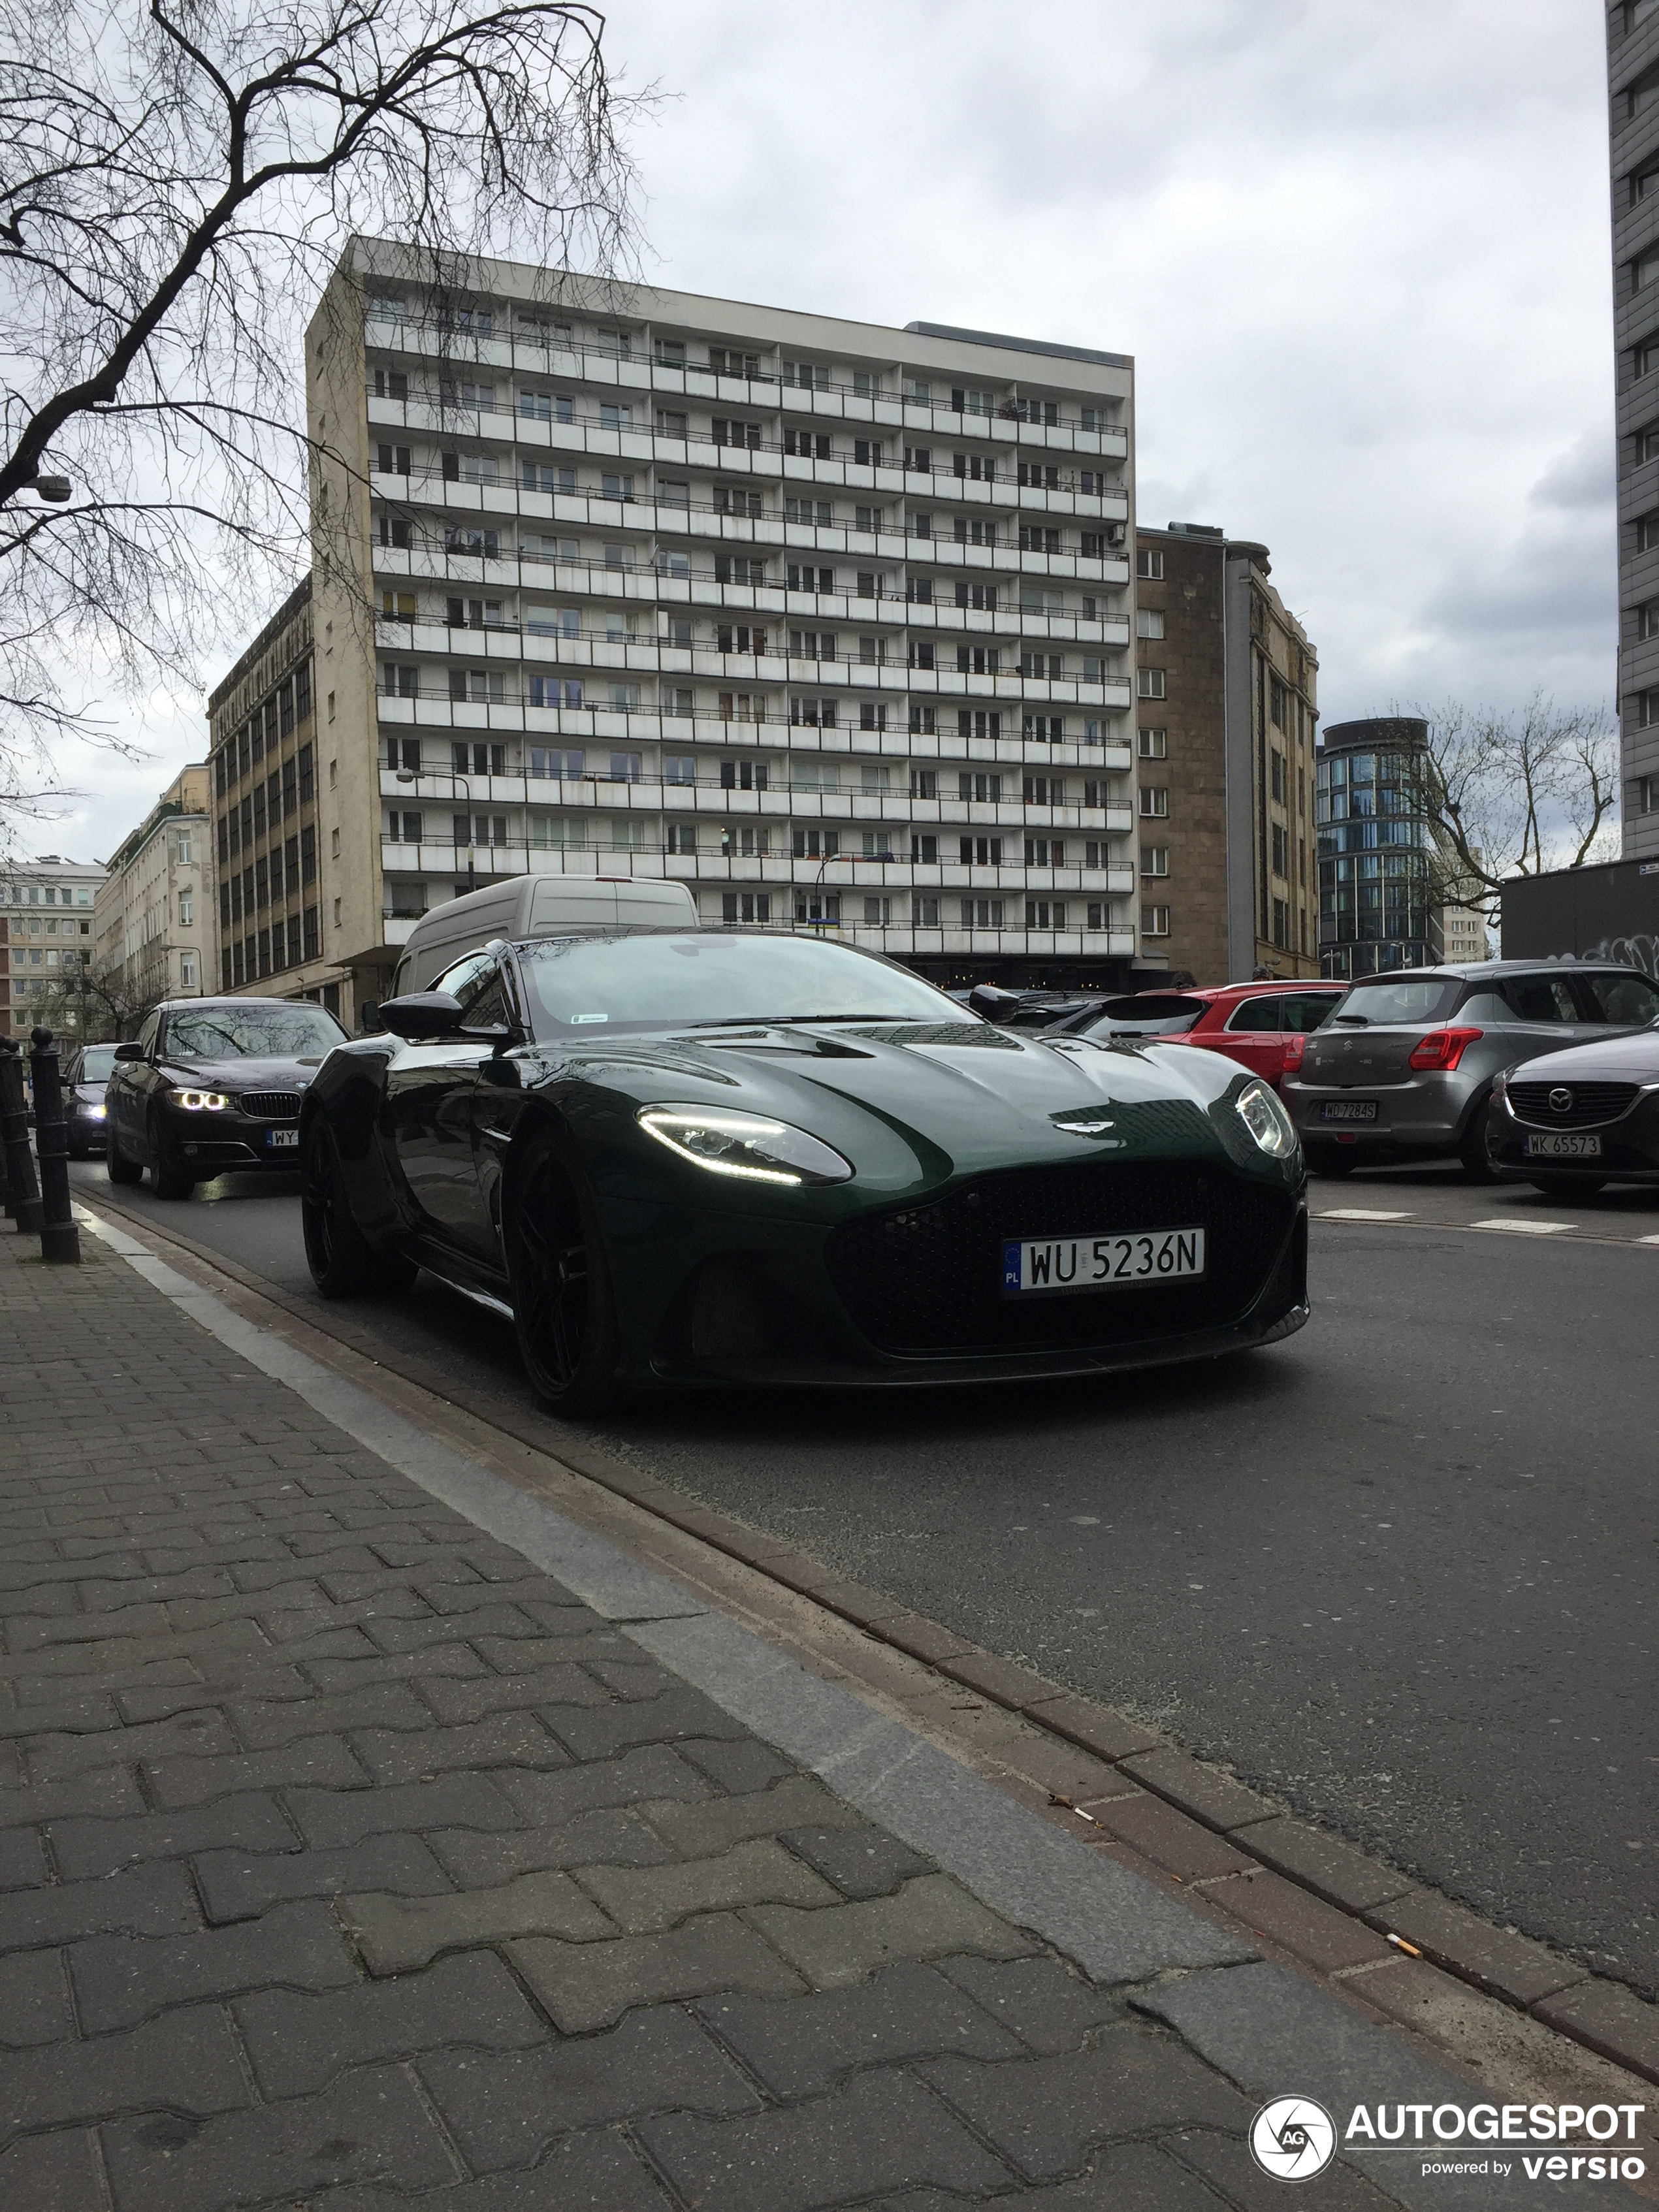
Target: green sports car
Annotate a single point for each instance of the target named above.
(709, 1157)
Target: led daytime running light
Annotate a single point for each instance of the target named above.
(196, 1101)
(745, 1146)
(1266, 1120)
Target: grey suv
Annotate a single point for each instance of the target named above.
(1403, 1069)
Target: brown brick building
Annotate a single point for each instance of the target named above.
(1227, 708)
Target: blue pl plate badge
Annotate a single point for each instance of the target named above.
(1011, 1274)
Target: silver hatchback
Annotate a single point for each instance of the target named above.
(1403, 1069)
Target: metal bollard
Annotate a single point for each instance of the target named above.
(60, 1240)
(22, 1193)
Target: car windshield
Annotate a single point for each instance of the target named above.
(1148, 1016)
(96, 1062)
(1402, 998)
(710, 978)
(233, 1032)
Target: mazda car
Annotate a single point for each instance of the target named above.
(1585, 1118)
(213, 1085)
(719, 1158)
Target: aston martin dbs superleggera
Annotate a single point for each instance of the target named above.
(709, 1157)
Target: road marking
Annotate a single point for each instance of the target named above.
(1645, 1240)
(1360, 1213)
(1523, 1227)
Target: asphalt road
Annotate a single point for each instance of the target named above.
(1398, 1570)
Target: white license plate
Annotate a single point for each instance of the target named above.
(1040, 1266)
(282, 1139)
(1564, 1144)
(1348, 1109)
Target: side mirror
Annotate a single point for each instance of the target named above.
(990, 1001)
(128, 1052)
(368, 1018)
(422, 1016)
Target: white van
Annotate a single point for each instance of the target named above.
(536, 906)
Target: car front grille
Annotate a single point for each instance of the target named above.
(1592, 1103)
(928, 1278)
(271, 1105)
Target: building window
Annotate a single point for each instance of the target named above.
(1149, 622)
(1045, 914)
(1643, 270)
(1645, 794)
(1279, 703)
(1154, 859)
(1149, 565)
(187, 909)
(1153, 745)
(1647, 533)
(1149, 682)
(187, 974)
(1276, 774)
(1282, 924)
(1155, 922)
(982, 914)
(924, 914)
(1154, 801)
(1280, 850)
(1647, 710)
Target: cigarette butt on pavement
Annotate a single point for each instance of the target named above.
(1401, 1944)
(1054, 1798)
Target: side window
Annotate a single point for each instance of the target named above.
(1541, 997)
(1258, 1014)
(487, 1008)
(1484, 1010)
(400, 980)
(460, 974)
(1630, 1000)
(1307, 1010)
(147, 1034)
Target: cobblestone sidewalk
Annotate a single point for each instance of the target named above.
(348, 1862)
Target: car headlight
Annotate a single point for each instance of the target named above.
(97, 1113)
(195, 1100)
(745, 1145)
(1265, 1119)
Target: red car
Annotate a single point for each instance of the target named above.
(1263, 1026)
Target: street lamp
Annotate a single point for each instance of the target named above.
(853, 861)
(409, 775)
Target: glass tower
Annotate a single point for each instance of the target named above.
(1377, 902)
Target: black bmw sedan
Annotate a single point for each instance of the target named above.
(1581, 1118)
(212, 1086)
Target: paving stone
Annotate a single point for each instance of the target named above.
(1134, 2177)
(120, 1979)
(56, 2173)
(1100, 1728)
(1168, 1837)
(1612, 2021)
(419, 1754)
(1050, 2008)
(644, 1899)
(1046, 2115)
(22, 1860)
(397, 1934)
(680, 1713)
(34, 2000)
(802, 2046)
(585, 1986)
(92, 1848)
(1227, 2162)
(648, 1772)
(882, 2132)
(604, 1837)
(90, 1711)
(1343, 1877)
(300, 2043)
(149, 1900)
(315, 1762)
(239, 1884)
(415, 1633)
(1206, 1792)
(56, 1758)
(376, 1705)
(187, 2061)
(560, 1684)
(505, 2111)
(347, 1815)
(700, 1830)
(452, 1661)
(158, 1701)
(1306, 1926)
(742, 1764)
(594, 2171)
(929, 1918)
(373, 2127)
(860, 1860)
(1509, 1966)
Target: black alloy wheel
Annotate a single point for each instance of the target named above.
(344, 1264)
(167, 1178)
(1568, 1186)
(1475, 1151)
(118, 1168)
(562, 1308)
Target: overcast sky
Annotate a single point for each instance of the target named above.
(1359, 255)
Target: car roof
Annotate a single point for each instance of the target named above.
(1212, 992)
(185, 1005)
(1468, 971)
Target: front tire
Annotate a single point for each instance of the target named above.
(118, 1168)
(344, 1264)
(1568, 1186)
(167, 1179)
(563, 1308)
(1474, 1151)
(1333, 1162)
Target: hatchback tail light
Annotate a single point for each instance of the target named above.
(1443, 1049)
(1294, 1049)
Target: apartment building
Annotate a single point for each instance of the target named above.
(49, 904)
(1633, 102)
(152, 925)
(831, 621)
(1227, 708)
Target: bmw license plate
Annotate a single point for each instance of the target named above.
(282, 1139)
(1040, 1266)
(1563, 1144)
(1348, 1109)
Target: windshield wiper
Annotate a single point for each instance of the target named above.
(787, 1021)
(1360, 1020)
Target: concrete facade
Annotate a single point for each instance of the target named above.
(831, 621)
(49, 904)
(153, 922)
(1227, 712)
(1633, 103)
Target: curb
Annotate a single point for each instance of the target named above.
(1288, 1881)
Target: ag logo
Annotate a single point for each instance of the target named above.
(1292, 2138)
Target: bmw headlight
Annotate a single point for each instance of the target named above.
(743, 1144)
(97, 1113)
(1266, 1120)
(196, 1101)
